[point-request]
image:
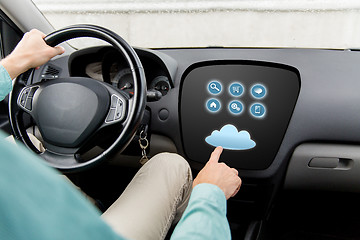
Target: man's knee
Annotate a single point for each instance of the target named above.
(171, 163)
(171, 160)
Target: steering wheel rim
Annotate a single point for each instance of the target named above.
(60, 158)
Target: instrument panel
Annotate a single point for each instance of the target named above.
(107, 65)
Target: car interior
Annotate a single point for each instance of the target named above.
(286, 117)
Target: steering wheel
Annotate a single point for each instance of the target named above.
(70, 112)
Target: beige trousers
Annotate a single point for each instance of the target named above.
(154, 199)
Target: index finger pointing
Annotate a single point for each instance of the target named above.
(215, 155)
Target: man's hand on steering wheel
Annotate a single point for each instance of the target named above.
(31, 52)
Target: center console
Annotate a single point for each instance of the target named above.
(243, 106)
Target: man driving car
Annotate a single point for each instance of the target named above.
(37, 203)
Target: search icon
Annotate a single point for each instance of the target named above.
(214, 87)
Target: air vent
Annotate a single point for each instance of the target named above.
(50, 72)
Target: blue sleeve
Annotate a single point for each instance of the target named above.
(205, 216)
(5, 83)
(36, 203)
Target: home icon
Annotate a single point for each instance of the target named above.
(213, 105)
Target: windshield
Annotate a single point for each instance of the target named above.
(220, 23)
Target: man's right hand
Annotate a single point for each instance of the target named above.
(32, 51)
(219, 174)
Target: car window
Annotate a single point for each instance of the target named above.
(223, 23)
(9, 35)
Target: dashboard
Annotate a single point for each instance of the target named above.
(287, 118)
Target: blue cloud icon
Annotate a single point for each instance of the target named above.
(230, 138)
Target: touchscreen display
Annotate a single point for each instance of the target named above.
(245, 108)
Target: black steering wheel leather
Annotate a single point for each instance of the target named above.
(70, 111)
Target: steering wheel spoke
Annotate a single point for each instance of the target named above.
(118, 108)
(25, 98)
